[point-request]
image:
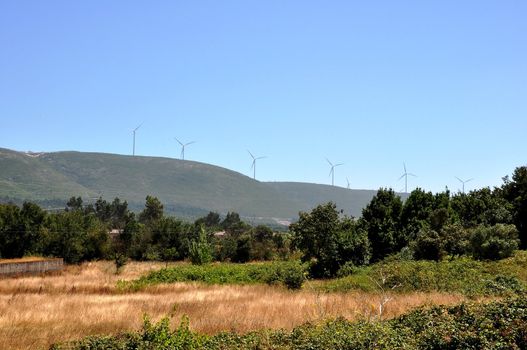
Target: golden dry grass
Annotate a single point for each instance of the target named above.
(83, 300)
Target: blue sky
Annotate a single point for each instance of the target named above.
(440, 85)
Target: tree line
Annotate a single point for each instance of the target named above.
(110, 230)
(486, 223)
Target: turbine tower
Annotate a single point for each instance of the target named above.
(133, 149)
(183, 145)
(332, 171)
(405, 175)
(348, 181)
(253, 165)
(463, 182)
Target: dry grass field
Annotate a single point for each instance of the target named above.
(36, 311)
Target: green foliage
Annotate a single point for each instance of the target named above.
(120, 261)
(463, 275)
(428, 245)
(456, 240)
(347, 269)
(380, 218)
(494, 243)
(200, 251)
(327, 241)
(286, 272)
(515, 192)
(153, 210)
(495, 325)
(481, 207)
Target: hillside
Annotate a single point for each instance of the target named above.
(187, 188)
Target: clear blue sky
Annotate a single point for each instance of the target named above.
(441, 85)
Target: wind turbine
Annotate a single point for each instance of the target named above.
(348, 181)
(253, 165)
(332, 171)
(133, 150)
(405, 175)
(183, 145)
(463, 182)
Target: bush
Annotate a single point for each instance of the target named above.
(428, 246)
(347, 269)
(289, 273)
(294, 275)
(200, 251)
(495, 242)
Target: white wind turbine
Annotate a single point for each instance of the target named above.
(253, 164)
(405, 175)
(134, 131)
(332, 171)
(183, 145)
(463, 182)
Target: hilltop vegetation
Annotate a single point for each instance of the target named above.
(188, 189)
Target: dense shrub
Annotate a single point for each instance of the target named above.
(289, 273)
(463, 275)
(428, 246)
(495, 242)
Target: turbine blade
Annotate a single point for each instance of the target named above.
(251, 154)
(261, 157)
(404, 165)
(329, 162)
(339, 164)
(469, 180)
(181, 143)
(412, 174)
(190, 143)
(139, 126)
(458, 179)
(403, 175)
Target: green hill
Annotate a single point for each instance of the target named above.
(187, 188)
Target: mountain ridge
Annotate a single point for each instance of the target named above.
(186, 188)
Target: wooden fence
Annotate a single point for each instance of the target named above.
(35, 266)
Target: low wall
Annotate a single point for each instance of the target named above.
(37, 266)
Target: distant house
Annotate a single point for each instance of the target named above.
(114, 233)
(219, 234)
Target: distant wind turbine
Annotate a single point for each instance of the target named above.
(463, 182)
(134, 131)
(183, 145)
(253, 165)
(332, 171)
(405, 175)
(348, 181)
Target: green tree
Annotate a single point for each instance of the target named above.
(415, 215)
(380, 218)
(212, 219)
(326, 241)
(495, 242)
(153, 210)
(74, 203)
(428, 245)
(515, 192)
(200, 251)
(481, 207)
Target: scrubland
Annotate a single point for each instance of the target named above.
(82, 300)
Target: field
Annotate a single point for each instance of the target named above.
(36, 311)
